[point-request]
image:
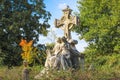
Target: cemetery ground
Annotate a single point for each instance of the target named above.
(94, 74)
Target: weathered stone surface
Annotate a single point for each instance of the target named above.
(64, 54)
(66, 22)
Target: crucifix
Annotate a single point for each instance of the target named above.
(67, 22)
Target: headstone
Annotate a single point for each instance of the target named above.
(62, 53)
(67, 22)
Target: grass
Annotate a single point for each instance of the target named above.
(101, 74)
(10, 74)
(16, 73)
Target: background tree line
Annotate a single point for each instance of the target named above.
(100, 28)
(20, 19)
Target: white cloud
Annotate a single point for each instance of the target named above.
(81, 45)
(54, 29)
(62, 6)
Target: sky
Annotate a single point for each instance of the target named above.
(55, 7)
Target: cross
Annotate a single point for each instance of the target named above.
(67, 22)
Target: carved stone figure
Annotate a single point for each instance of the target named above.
(57, 47)
(57, 51)
(53, 57)
(65, 54)
(50, 59)
(75, 54)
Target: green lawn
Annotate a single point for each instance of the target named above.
(16, 73)
(104, 74)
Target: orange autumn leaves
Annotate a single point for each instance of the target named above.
(27, 49)
(25, 43)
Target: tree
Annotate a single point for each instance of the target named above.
(20, 19)
(100, 25)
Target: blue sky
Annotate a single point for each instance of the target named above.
(55, 8)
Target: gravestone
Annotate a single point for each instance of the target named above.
(67, 22)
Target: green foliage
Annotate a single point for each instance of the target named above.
(50, 46)
(100, 24)
(105, 62)
(18, 19)
(100, 27)
(39, 54)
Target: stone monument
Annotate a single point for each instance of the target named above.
(64, 54)
(67, 22)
